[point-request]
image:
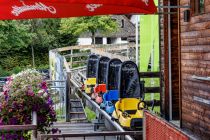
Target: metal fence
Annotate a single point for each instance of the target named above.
(109, 135)
(58, 84)
(2, 82)
(156, 128)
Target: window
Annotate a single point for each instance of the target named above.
(122, 23)
(124, 38)
(197, 6)
(98, 40)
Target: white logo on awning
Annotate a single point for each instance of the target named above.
(146, 2)
(93, 7)
(38, 6)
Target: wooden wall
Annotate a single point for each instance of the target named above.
(195, 60)
(174, 61)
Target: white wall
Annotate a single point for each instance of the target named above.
(84, 41)
(119, 41)
(104, 40)
(88, 41)
(133, 19)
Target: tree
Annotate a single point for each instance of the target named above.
(14, 35)
(77, 26)
(18, 37)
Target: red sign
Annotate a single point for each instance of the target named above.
(27, 9)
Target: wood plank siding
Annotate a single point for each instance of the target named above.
(195, 60)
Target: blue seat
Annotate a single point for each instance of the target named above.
(112, 94)
(109, 100)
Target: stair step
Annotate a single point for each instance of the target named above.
(77, 112)
(71, 100)
(78, 119)
(69, 124)
(76, 107)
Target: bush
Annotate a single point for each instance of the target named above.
(4, 73)
(90, 114)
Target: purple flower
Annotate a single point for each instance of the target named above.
(1, 121)
(13, 121)
(3, 137)
(55, 130)
(49, 101)
(9, 78)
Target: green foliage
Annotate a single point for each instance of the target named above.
(90, 114)
(14, 35)
(18, 37)
(77, 26)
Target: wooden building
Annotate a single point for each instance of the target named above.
(185, 65)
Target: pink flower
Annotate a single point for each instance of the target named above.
(44, 85)
(30, 91)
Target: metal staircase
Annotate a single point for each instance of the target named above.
(76, 110)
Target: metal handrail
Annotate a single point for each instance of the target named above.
(115, 124)
(92, 134)
(201, 78)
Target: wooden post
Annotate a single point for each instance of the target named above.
(71, 65)
(34, 122)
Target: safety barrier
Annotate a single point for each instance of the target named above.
(96, 135)
(156, 128)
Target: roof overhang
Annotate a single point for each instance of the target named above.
(29, 9)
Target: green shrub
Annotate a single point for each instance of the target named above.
(90, 114)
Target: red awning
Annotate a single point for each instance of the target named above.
(26, 9)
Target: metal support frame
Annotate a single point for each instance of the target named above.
(201, 78)
(59, 82)
(169, 6)
(169, 57)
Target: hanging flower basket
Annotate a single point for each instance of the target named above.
(24, 93)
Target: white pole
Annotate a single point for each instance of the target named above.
(152, 55)
(152, 69)
(137, 40)
(34, 122)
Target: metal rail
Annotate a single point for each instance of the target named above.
(177, 6)
(201, 78)
(115, 124)
(84, 135)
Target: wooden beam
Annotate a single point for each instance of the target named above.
(17, 127)
(155, 102)
(74, 48)
(77, 55)
(152, 89)
(110, 55)
(150, 74)
(108, 46)
(166, 65)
